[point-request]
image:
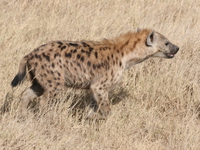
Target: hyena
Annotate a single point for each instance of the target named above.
(94, 65)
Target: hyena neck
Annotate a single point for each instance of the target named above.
(133, 45)
(134, 61)
(138, 55)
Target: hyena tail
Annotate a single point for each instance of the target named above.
(21, 73)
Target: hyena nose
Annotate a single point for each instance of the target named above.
(176, 49)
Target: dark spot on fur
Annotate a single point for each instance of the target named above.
(36, 49)
(112, 56)
(53, 65)
(58, 83)
(63, 48)
(42, 67)
(60, 43)
(36, 64)
(96, 55)
(73, 44)
(102, 82)
(40, 58)
(68, 55)
(52, 72)
(31, 57)
(36, 56)
(58, 73)
(78, 56)
(75, 51)
(82, 59)
(85, 44)
(112, 73)
(79, 64)
(82, 50)
(49, 81)
(50, 50)
(56, 54)
(108, 58)
(45, 75)
(91, 73)
(43, 45)
(120, 63)
(99, 66)
(91, 49)
(89, 63)
(88, 53)
(94, 66)
(117, 51)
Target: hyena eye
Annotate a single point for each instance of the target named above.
(167, 43)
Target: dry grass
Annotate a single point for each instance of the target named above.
(160, 97)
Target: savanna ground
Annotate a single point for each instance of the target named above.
(158, 101)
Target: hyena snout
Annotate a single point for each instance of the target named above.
(173, 50)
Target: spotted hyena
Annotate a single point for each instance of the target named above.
(95, 65)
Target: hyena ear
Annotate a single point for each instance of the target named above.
(150, 39)
(138, 29)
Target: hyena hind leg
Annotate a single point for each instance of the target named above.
(28, 95)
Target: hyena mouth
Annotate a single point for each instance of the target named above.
(169, 55)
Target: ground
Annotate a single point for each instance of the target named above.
(157, 104)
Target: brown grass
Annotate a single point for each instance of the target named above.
(160, 97)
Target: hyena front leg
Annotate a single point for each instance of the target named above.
(100, 98)
(49, 96)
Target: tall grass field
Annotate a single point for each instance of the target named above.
(157, 105)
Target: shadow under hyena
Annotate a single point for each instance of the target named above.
(75, 101)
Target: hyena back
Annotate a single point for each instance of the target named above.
(88, 64)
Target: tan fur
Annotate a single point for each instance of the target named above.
(89, 64)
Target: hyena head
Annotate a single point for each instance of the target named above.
(162, 47)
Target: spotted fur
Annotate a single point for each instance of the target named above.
(95, 65)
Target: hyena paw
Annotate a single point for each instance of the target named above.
(105, 110)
